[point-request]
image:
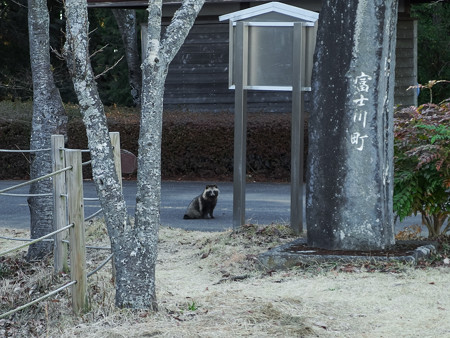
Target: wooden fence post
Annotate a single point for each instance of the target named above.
(77, 240)
(59, 204)
(115, 141)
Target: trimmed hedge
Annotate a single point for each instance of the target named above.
(14, 135)
(195, 146)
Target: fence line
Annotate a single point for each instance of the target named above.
(90, 198)
(92, 246)
(36, 240)
(76, 227)
(60, 250)
(37, 300)
(24, 239)
(76, 230)
(20, 185)
(23, 151)
(52, 240)
(74, 200)
(93, 215)
(26, 195)
(54, 292)
(75, 213)
(102, 264)
(82, 150)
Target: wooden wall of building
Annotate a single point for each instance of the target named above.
(198, 76)
(406, 62)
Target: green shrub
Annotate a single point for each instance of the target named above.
(422, 164)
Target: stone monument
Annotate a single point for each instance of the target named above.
(350, 160)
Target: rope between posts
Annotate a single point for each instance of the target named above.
(37, 300)
(25, 239)
(35, 180)
(100, 266)
(36, 240)
(82, 150)
(52, 240)
(26, 195)
(78, 243)
(90, 246)
(90, 199)
(23, 151)
(93, 215)
(55, 291)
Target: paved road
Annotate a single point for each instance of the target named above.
(266, 203)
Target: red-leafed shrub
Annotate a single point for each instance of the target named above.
(422, 164)
(195, 146)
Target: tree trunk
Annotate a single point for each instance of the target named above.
(126, 20)
(155, 65)
(350, 161)
(134, 246)
(434, 223)
(103, 170)
(48, 118)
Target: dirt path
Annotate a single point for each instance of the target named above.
(208, 286)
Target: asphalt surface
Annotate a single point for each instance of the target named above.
(266, 203)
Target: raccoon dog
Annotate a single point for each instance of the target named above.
(204, 204)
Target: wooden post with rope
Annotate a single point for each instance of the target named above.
(75, 208)
(60, 249)
(115, 142)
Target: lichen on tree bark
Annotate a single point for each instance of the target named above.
(134, 245)
(49, 118)
(126, 20)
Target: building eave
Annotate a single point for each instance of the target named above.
(144, 3)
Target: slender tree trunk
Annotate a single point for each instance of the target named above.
(126, 20)
(48, 118)
(434, 223)
(158, 56)
(134, 246)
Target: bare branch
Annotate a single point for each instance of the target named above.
(57, 53)
(182, 22)
(19, 4)
(92, 31)
(98, 51)
(108, 69)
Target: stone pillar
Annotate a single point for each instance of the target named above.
(350, 161)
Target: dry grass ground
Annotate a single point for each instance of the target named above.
(208, 285)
